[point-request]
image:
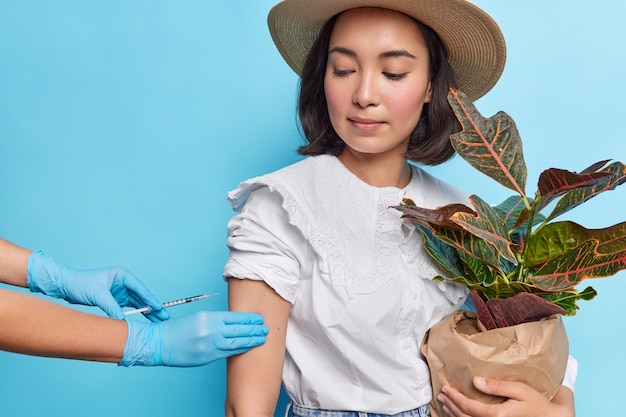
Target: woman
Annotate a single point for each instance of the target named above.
(343, 284)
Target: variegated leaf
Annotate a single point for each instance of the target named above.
(464, 241)
(569, 299)
(576, 197)
(491, 145)
(521, 308)
(442, 253)
(510, 210)
(488, 226)
(567, 270)
(480, 272)
(554, 182)
(429, 217)
(557, 238)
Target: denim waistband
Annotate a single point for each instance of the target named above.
(294, 410)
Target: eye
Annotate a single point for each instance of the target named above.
(341, 73)
(394, 77)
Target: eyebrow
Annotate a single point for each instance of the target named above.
(387, 54)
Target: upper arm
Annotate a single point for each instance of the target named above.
(254, 377)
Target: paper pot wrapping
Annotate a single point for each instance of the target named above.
(457, 349)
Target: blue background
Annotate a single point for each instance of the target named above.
(123, 124)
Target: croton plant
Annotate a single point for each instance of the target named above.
(519, 264)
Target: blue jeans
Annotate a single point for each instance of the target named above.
(294, 410)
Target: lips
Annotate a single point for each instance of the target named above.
(364, 123)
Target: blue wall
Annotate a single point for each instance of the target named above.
(123, 124)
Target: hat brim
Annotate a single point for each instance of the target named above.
(473, 41)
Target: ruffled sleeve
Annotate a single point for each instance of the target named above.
(263, 244)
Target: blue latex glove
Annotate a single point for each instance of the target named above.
(192, 340)
(108, 288)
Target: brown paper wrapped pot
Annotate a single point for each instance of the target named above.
(457, 349)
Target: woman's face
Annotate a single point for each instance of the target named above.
(376, 80)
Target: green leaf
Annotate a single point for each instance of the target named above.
(466, 242)
(464, 280)
(510, 210)
(514, 213)
(557, 238)
(488, 226)
(569, 300)
(512, 248)
(479, 271)
(503, 288)
(445, 255)
(567, 270)
(439, 222)
(491, 145)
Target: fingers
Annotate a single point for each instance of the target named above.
(244, 330)
(157, 316)
(136, 290)
(129, 291)
(521, 399)
(241, 332)
(242, 324)
(237, 317)
(204, 337)
(232, 352)
(506, 389)
(235, 345)
(456, 404)
(111, 307)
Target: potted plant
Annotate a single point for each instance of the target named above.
(521, 266)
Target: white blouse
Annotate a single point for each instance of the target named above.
(358, 279)
(357, 276)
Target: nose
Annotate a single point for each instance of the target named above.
(366, 91)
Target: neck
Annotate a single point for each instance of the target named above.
(378, 170)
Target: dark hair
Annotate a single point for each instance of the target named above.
(430, 141)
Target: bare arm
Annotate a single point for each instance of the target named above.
(254, 377)
(13, 264)
(31, 325)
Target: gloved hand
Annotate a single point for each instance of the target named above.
(108, 288)
(192, 340)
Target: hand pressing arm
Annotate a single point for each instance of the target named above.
(34, 326)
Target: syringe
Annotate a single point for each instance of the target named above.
(171, 303)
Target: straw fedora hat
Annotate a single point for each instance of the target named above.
(473, 41)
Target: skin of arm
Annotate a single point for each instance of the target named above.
(254, 377)
(522, 401)
(35, 326)
(13, 264)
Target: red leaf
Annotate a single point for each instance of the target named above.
(482, 312)
(556, 181)
(434, 217)
(521, 308)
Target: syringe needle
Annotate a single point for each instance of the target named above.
(171, 303)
